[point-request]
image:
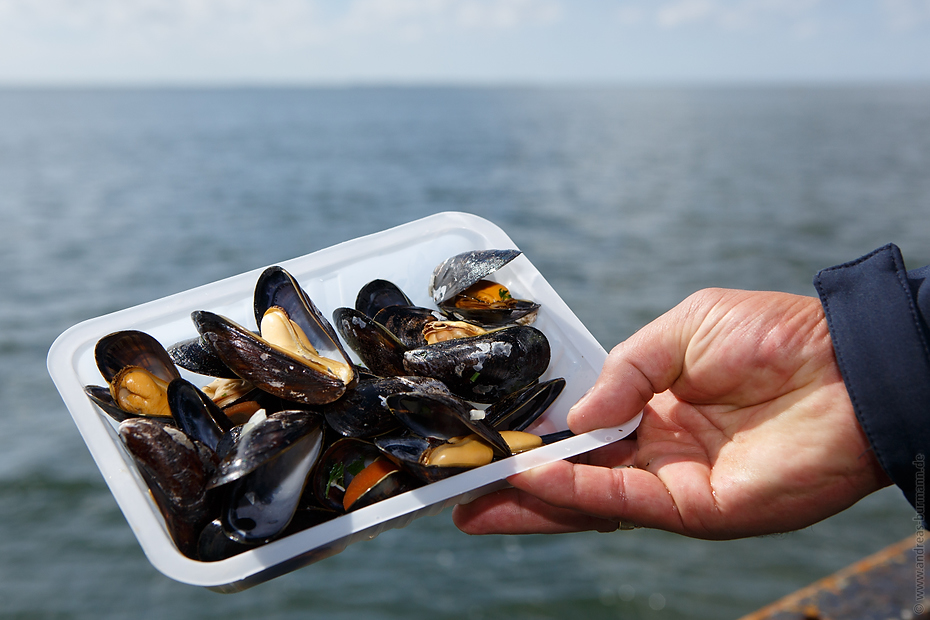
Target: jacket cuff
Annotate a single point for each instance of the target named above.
(879, 336)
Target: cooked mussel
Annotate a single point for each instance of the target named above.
(380, 294)
(363, 411)
(196, 355)
(101, 397)
(431, 459)
(379, 350)
(270, 367)
(518, 410)
(137, 370)
(176, 471)
(277, 289)
(407, 323)
(196, 414)
(296, 354)
(264, 475)
(487, 367)
(458, 286)
(353, 473)
(116, 351)
(444, 416)
(412, 453)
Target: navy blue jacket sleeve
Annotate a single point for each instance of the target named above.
(877, 314)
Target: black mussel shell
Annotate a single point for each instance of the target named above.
(102, 398)
(407, 323)
(277, 288)
(120, 349)
(174, 469)
(214, 544)
(196, 414)
(339, 463)
(379, 349)
(409, 451)
(388, 480)
(521, 311)
(379, 294)
(265, 441)
(517, 411)
(267, 367)
(350, 458)
(457, 273)
(195, 355)
(228, 441)
(484, 368)
(263, 476)
(259, 506)
(363, 410)
(364, 374)
(443, 416)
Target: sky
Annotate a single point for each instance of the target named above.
(270, 42)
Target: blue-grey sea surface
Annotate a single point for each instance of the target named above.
(626, 199)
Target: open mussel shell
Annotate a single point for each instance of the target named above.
(380, 294)
(267, 367)
(381, 479)
(353, 473)
(195, 355)
(411, 452)
(264, 441)
(122, 349)
(379, 349)
(484, 368)
(264, 476)
(196, 414)
(406, 323)
(457, 273)
(239, 399)
(259, 506)
(517, 411)
(175, 470)
(137, 370)
(101, 397)
(363, 410)
(444, 416)
(277, 288)
(520, 311)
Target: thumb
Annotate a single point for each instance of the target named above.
(646, 364)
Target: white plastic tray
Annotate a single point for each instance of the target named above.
(332, 277)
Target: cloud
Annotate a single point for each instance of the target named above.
(298, 22)
(220, 41)
(415, 19)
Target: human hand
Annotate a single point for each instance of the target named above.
(747, 429)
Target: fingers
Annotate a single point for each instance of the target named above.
(514, 512)
(646, 364)
(565, 497)
(627, 495)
